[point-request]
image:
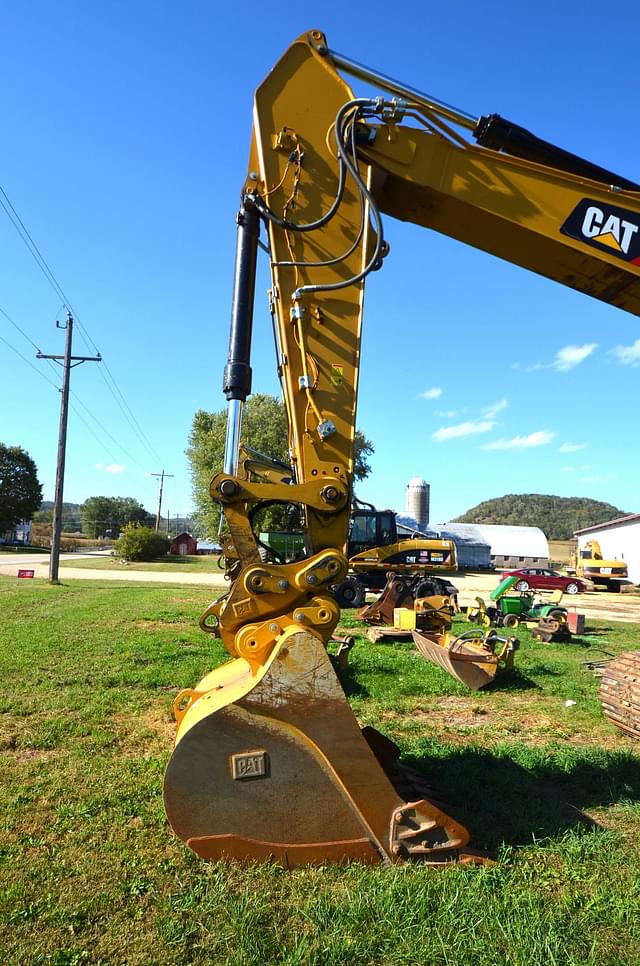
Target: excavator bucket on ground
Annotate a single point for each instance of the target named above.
(397, 592)
(471, 658)
(270, 764)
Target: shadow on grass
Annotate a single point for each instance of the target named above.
(512, 681)
(504, 802)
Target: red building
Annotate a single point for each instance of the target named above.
(183, 544)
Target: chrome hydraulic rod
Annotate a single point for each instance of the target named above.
(355, 69)
(237, 373)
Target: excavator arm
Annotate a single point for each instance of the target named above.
(269, 760)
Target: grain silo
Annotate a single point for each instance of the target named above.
(416, 502)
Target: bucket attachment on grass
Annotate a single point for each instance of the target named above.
(397, 592)
(470, 657)
(270, 764)
(550, 629)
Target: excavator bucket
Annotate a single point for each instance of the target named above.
(270, 764)
(470, 657)
(397, 592)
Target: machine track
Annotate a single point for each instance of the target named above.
(620, 692)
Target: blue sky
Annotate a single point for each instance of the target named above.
(126, 131)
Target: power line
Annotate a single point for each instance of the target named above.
(40, 260)
(76, 398)
(68, 364)
(106, 432)
(30, 364)
(21, 331)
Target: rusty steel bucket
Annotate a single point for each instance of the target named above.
(470, 657)
(270, 764)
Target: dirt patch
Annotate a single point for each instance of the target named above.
(161, 721)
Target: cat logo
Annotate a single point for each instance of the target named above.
(612, 229)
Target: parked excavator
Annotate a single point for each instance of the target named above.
(269, 761)
(588, 562)
(374, 550)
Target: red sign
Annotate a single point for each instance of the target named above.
(26, 573)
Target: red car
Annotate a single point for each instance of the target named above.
(537, 578)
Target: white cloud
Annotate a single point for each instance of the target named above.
(492, 411)
(540, 438)
(568, 469)
(111, 468)
(433, 393)
(572, 355)
(571, 447)
(599, 478)
(468, 428)
(447, 413)
(627, 355)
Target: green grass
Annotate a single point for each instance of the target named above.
(202, 563)
(91, 874)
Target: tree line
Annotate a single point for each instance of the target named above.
(557, 516)
(21, 499)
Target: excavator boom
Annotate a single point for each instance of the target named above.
(269, 761)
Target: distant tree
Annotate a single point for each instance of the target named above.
(20, 490)
(557, 516)
(71, 515)
(141, 543)
(265, 429)
(362, 448)
(106, 515)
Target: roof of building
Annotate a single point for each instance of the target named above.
(619, 521)
(467, 533)
(506, 541)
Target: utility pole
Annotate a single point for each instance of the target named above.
(68, 362)
(162, 478)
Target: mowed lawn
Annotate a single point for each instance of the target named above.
(90, 873)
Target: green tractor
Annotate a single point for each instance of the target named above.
(509, 610)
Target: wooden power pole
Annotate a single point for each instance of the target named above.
(162, 479)
(68, 362)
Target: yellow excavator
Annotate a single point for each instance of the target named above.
(269, 761)
(588, 562)
(374, 550)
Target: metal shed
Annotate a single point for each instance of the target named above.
(511, 547)
(472, 549)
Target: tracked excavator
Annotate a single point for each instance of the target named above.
(269, 762)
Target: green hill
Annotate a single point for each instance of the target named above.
(557, 516)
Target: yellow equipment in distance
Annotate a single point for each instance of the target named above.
(589, 563)
(269, 761)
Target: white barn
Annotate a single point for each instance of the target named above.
(511, 547)
(619, 539)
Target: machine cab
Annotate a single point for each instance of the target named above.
(371, 528)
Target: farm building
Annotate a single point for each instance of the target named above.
(21, 533)
(472, 550)
(183, 544)
(619, 539)
(510, 547)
